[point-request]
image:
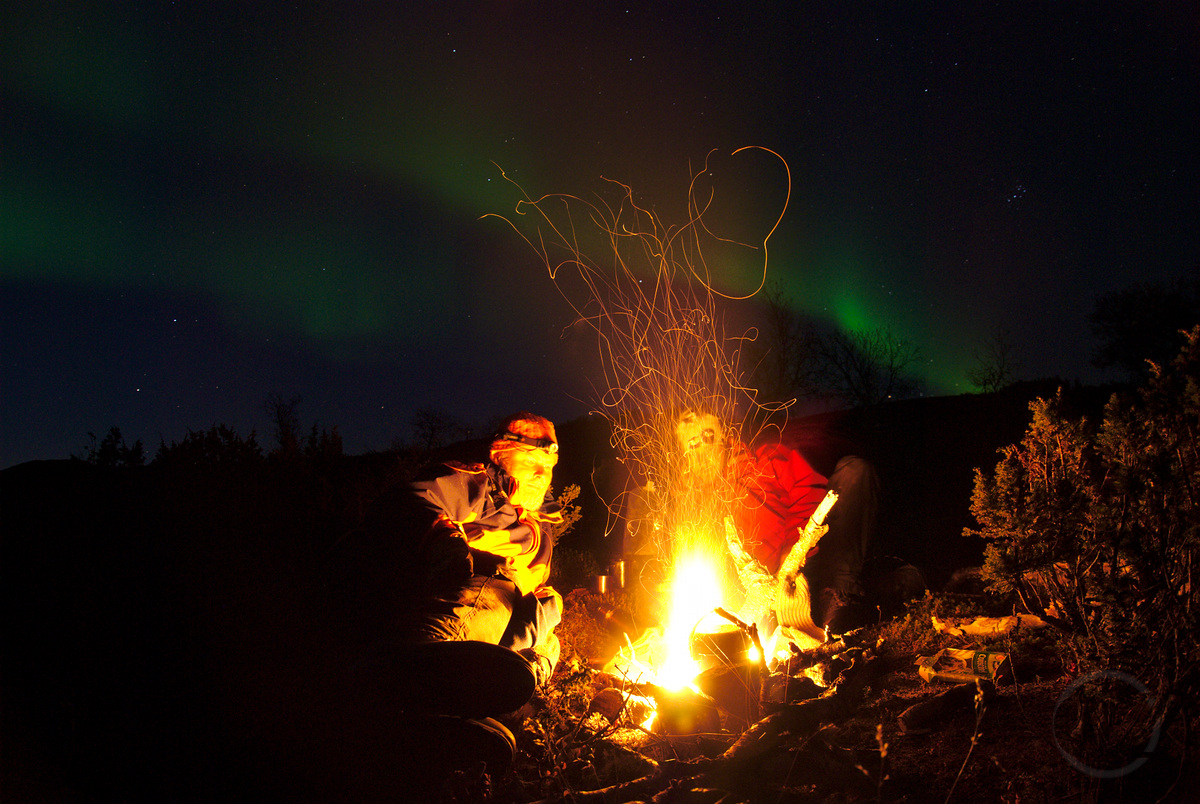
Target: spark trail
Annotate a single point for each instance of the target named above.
(663, 344)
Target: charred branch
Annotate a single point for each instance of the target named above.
(748, 763)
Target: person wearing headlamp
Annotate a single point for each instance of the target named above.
(450, 615)
(487, 546)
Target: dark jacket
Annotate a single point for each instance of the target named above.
(469, 503)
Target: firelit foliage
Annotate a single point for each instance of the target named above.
(571, 512)
(1099, 526)
(1038, 510)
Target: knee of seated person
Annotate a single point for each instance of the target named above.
(852, 466)
(854, 473)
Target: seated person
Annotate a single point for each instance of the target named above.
(485, 544)
(774, 488)
(446, 605)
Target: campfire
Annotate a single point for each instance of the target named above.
(703, 668)
(659, 313)
(663, 656)
(646, 292)
(705, 650)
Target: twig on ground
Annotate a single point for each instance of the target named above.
(980, 708)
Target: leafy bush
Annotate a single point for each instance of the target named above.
(572, 512)
(1098, 527)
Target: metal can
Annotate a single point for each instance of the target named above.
(950, 664)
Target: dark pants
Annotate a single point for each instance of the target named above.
(408, 671)
(489, 609)
(833, 571)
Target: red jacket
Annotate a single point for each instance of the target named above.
(781, 482)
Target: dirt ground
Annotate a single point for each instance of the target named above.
(1025, 744)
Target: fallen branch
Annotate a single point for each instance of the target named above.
(737, 767)
(804, 718)
(811, 657)
(664, 775)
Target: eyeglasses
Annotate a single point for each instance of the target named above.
(707, 436)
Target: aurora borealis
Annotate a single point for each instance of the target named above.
(202, 204)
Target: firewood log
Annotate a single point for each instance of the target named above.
(737, 767)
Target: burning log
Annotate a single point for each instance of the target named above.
(743, 765)
(799, 721)
(811, 657)
(793, 603)
(786, 592)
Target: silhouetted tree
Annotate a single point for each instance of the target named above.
(786, 364)
(867, 367)
(112, 451)
(1142, 323)
(800, 358)
(433, 428)
(285, 418)
(322, 443)
(219, 445)
(995, 362)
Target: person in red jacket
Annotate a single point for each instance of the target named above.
(774, 487)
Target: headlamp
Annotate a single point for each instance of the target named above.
(538, 443)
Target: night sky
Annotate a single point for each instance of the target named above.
(205, 204)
